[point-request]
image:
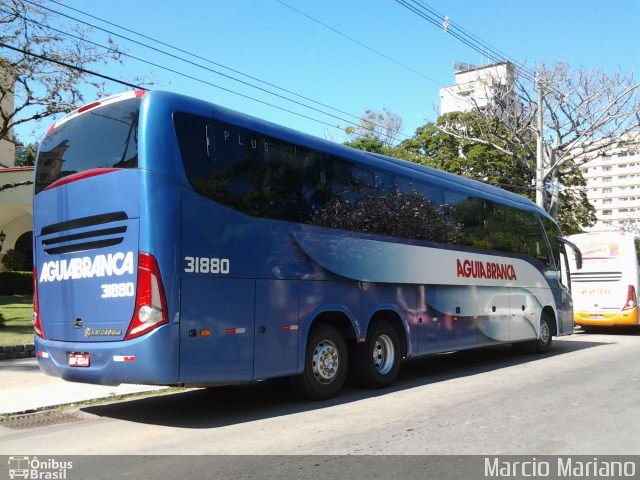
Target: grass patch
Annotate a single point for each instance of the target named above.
(15, 326)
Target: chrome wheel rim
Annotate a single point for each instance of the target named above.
(325, 361)
(383, 354)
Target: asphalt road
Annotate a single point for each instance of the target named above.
(582, 398)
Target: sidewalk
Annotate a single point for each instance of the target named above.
(24, 387)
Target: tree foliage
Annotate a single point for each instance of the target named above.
(433, 147)
(40, 88)
(505, 168)
(393, 213)
(376, 127)
(586, 113)
(26, 155)
(14, 261)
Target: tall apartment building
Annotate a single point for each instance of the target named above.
(613, 188)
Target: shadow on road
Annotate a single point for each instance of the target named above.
(229, 405)
(13, 366)
(621, 330)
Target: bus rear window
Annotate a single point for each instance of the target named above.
(105, 137)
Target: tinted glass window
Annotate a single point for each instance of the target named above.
(267, 177)
(256, 174)
(105, 137)
(552, 231)
(467, 217)
(516, 231)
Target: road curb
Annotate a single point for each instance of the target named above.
(8, 352)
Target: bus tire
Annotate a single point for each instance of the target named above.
(325, 364)
(377, 361)
(543, 343)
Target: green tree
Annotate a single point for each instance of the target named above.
(485, 162)
(14, 261)
(507, 169)
(585, 114)
(26, 155)
(37, 87)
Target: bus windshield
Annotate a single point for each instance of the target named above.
(104, 137)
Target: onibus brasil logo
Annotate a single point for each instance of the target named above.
(36, 469)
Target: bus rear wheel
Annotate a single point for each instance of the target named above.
(377, 362)
(325, 364)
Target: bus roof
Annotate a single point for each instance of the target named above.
(178, 102)
(375, 160)
(603, 236)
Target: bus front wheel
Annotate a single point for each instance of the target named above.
(377, 361)
(543, 344)
(325, 364)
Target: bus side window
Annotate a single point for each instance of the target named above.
(468, 218)
(428, 193)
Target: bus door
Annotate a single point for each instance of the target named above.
(565, 322)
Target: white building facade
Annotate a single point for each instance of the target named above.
(16, 213)
(613, 188)
(477, 87)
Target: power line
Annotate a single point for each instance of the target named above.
(452, 25)
(173, 47)
(357, 42)
(110, 32)
(224, 75)
(423, 10)
(438, 20)
(74, 67)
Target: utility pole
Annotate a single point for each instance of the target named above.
(539, 147)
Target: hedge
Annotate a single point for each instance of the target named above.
(16, 283)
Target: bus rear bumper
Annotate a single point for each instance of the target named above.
(151, 359)
(603, 319)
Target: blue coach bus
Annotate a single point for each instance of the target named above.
(181, 243)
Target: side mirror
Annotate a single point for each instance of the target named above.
(575, 249)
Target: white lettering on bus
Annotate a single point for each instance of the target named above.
(87, 267)
(242, 139)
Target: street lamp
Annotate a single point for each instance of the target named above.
(2, 237)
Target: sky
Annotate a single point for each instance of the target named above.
(274, 43)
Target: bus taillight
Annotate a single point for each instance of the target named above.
(37, 321)
(632, 300)
(151, 307)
